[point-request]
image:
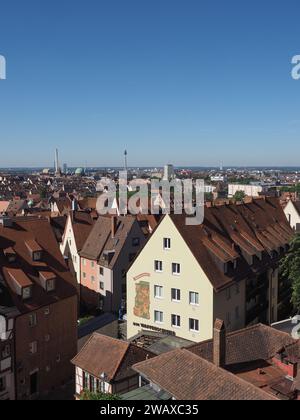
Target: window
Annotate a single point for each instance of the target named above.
(2, 384)
(101, 271)
(176, 295)
(136, 242)
(86, 380)
(228, 293)
(167, 243)
(158, 266)
(158, 292)
(37, 256)
(194, 298)
(93, 384)
(92, 264)
(237, 312)
(194, 325)
(93, 278)
(50, 285)
(74, 259)
(101, 285)
(176, 269)
(158, 317)
(26, 293)
(58, 358)
(83, 262)
(84, 275)
(33, 347)
(6, 351)
(70, 242)
(176, 321)
(47, 311)
(32, 320)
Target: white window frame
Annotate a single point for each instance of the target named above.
(161, 295)
(158, 263)
(193, 301)
(177, 291)
(194, 321)
(177, 318)
(161, 316)
(176, 272)
(167, 244)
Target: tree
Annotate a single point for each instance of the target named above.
(239, 196)
(97, 396)
(290, 270)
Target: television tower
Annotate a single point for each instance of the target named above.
(125, 161)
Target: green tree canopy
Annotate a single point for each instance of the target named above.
(290, 270)
(239, 196)
(97, 396)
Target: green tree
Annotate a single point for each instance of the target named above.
(97, 396)
(239, 196)
(290, 270)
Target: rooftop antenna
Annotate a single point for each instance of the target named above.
(125, 161)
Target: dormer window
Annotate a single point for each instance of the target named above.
(26, 293)
(47, 280)
(10, 255)
(50, 285)
(37, 256)
(34, 249)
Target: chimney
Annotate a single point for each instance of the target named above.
(113, 226)
(219, 344)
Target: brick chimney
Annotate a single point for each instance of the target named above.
(219, 344)
(113, 226)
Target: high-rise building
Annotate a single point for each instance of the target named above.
(169, 173)
(65, 168)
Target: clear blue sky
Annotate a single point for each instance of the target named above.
(192, 82)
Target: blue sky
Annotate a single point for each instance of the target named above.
(192, 82)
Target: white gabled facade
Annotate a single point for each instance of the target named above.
(292, 215)
(69, 242)
(144, 284)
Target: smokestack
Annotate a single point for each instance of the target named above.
(219, 344)
(56, 162)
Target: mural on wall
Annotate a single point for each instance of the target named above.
(142, 300)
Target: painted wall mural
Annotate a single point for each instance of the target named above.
(142, 300)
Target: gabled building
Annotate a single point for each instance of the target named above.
(8, 312)
(256, 363)
(292, 212)
(105, 257)
(77, 229)
(104, 364)
(37, 283)
(227, 268)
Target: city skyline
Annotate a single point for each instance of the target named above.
(192, 85)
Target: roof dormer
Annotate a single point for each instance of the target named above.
(10, 254)
(47, 280)
(34, 249)
(20, 283)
